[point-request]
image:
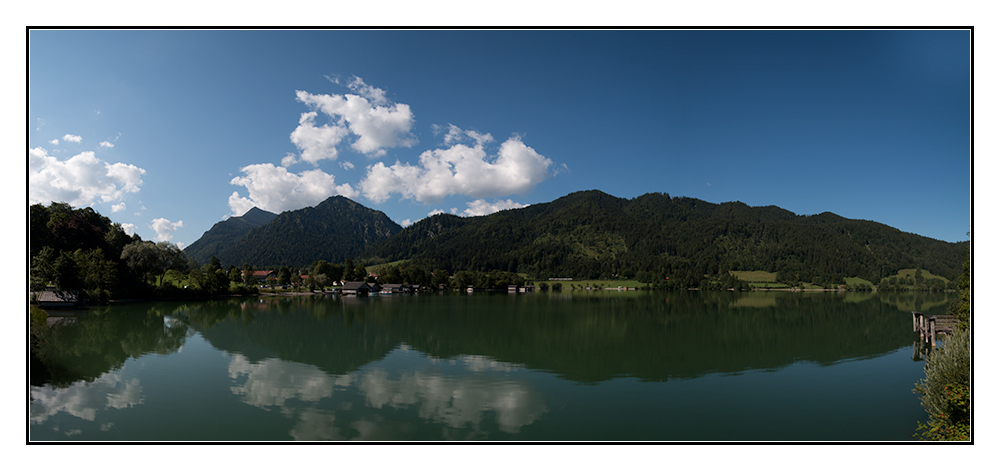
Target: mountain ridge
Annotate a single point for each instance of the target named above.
(590, 234)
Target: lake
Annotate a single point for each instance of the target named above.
(576, 365)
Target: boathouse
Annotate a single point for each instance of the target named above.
(61, 300)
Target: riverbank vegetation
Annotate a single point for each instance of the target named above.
(946, 392)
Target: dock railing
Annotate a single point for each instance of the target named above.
(930, 326)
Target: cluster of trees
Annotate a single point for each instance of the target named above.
(79, 249)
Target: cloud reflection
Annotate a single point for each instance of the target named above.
(84, 399)
(460, 400)
(455, 401)
(272, 382)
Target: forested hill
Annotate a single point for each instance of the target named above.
(335, 229)
(225, 233)
(593, 235)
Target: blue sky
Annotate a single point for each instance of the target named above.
(169, 132)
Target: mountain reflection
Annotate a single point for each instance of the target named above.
(587, 338)
(470, 395)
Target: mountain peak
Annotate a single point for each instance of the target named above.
(258, 217)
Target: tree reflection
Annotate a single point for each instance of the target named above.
(99, 341)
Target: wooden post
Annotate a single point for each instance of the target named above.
(914, 320)
(933, 334)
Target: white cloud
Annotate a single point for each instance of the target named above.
(107, 144)
(377, 123)
(434, 212)
(276, 189)
(129, 228)
(54, 142)
(459, 169)
(118, 207)
(372, 94)
(72, 138)
(456, 135)
(79, 180)
(347, 165)
(317, 143)
(482, 208)
(165, 229)
(289, 159)
(405, 223)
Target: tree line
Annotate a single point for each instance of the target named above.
(81, 250)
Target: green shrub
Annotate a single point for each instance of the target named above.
(946, 391)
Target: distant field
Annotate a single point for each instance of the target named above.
(582, 284)
(911, 273)
(382, 266)
(759, 279)
(851, 281)
(755, 276)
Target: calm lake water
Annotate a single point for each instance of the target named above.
(663, 366)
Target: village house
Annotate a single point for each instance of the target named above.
(396, 288)
(261, 275)
(360, 288)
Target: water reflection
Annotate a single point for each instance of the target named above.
(470, 395)
(84, 399)
(273, 382)
(439, 367)
(456, 401)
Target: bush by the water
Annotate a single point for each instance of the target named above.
(946, 392)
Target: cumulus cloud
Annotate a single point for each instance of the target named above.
(482, 207)
(405, 223)
(375, 95)
(107, 144)
(276, 189)
(376, 123)
(165, 229)
(118, 207)
(459, 169)
(72, 138)
(79, 180)
(129, 228)
(54, 142)
(289, 159)
(456, 135)
(317, 142)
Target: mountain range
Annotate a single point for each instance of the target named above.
(588, 234)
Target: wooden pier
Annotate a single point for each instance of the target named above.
(930, 327)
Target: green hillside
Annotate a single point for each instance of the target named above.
(225, 234)
(333, 230)
(593, 235)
